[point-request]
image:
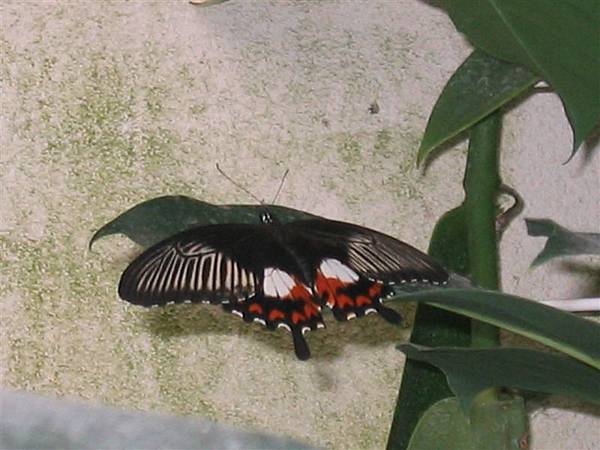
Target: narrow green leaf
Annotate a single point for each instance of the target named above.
(561, 242)
(154, 220)
(477, 88)
(499, 425)
(575, 336)
(557, 40)
(471, 370)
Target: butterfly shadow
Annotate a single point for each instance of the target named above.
(326, 344)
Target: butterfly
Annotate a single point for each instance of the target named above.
(278, 274)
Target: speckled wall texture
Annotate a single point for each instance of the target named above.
(108, 104)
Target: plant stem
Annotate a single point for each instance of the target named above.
(481, 185)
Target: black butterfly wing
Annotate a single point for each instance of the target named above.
(278, 275)
(366, 251)
(214, 263)
(245, 267)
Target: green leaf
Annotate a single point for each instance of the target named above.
(561, 242)
(471, 370)
(154, 220)
(449, 241)
(577, 337)
(479, 86)
(557, 40)
(422, 384)
(499, 425)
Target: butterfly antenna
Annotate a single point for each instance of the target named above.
(280, 185)
(237, 185)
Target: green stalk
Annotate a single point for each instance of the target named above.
(456, 244)
(481, 185)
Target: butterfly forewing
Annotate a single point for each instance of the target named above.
(370, 253)
(197, 265)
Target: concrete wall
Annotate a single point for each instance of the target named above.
(108, 104)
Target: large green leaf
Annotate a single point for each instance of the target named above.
(471, 370)
(561, 242)
(498, 425)
(557, 40)
(575, 336)
(159, 218)
(422, 384)
(479, 86)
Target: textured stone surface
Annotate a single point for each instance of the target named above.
(108, 104)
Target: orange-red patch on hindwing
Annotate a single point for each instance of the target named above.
(363, 300)
(349, 298)
(298, 292)
(376, 290)
(297, 317)
(331, 290)
(276, 314)
(255, 308)
(310, 310)
(328, 289)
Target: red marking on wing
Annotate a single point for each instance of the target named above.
(298, 292)
(343, 300)
(362, 300)
(276, 314)
(310, 310)
(349, 297)
(297, 317)
(328, 288)
(375, 290)
(255, 308)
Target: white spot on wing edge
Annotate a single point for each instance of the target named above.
(332, 268)
(237, 313)
(284, 325)
(261, 321)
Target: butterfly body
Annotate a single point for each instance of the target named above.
(280, 275)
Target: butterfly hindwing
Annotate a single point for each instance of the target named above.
(351, 295)
(285, 302)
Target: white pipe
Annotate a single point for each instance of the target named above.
(576, 304)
